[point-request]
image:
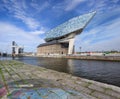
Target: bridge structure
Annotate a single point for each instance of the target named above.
(61, 38)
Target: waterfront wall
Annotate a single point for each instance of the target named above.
(102, 58)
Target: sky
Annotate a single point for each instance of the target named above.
(27, 21)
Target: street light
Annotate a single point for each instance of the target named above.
(80, 49)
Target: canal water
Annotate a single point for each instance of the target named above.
(103, 71)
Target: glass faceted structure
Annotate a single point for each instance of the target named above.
(73, 25)
(60, 40)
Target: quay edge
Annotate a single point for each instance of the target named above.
(99, 58)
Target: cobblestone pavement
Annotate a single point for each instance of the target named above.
(16, 75)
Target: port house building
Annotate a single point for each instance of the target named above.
(60, 40)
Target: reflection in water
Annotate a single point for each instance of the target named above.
(104, 71)
(70, 66)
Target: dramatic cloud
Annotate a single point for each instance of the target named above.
(39, 6)
(103, 37)
(72, 4)
(20, 10)
(67, 5)
(10, 33)
(27, 21)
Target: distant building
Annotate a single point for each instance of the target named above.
(29, 54)
(17, 50)
(60, 40)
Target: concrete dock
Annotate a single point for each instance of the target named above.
(16, 75)
(101, 58)
(81, 57)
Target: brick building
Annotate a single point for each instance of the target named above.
(52, 48)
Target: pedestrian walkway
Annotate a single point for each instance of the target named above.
(23, 81)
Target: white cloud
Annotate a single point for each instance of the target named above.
(38, 32)
(66, 5)
(103, 37)
(115, 1)
(9, 33)
(106, 45)
(30, 22)
(40, 6)
(103, 5)
(19, 10)
(71, 4)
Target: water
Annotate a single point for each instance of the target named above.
(103, 71)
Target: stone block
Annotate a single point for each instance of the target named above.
(113, 93)
(102, 95)
(97, 88)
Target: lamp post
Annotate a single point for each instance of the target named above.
(80, 49)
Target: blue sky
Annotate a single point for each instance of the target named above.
(26, 21)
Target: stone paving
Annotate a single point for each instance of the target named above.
(16, 75)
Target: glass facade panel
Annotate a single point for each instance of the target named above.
(71, 25)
